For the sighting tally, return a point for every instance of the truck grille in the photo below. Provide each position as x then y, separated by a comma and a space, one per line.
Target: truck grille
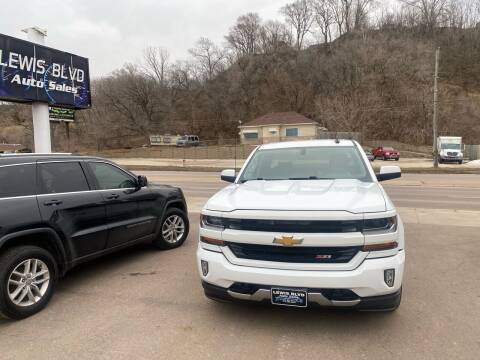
451, 154
297, 226
302, 254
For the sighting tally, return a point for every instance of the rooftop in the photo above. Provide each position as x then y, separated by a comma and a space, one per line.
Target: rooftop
280, 118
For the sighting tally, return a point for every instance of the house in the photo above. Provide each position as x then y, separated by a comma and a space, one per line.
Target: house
280, 126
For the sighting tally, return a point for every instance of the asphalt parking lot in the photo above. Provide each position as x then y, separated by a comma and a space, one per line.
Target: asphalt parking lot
148, 304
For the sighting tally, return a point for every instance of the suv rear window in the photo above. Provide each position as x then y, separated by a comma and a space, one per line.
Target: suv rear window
18, 180
62, 177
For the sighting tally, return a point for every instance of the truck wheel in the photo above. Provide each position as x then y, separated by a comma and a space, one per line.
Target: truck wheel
173, 230
28, 276
460, 162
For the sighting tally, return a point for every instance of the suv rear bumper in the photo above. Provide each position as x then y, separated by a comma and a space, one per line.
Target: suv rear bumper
366, 281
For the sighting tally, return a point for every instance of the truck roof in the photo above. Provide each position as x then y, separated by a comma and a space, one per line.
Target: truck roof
308, 143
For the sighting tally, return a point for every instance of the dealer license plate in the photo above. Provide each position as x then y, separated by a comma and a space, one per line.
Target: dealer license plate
289, 297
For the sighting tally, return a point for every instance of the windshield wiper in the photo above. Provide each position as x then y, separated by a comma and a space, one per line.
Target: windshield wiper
245, 180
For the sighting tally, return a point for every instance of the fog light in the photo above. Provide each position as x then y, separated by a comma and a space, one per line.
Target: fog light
204, 267
389, 277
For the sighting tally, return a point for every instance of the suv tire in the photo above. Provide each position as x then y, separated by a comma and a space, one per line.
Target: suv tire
174, 229
32, 272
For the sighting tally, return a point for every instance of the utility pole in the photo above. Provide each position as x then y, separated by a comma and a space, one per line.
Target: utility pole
435, 109
236, 134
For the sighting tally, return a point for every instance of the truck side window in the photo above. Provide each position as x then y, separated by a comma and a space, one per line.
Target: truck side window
18, 180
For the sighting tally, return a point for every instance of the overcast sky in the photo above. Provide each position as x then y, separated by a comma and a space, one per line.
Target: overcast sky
113, 32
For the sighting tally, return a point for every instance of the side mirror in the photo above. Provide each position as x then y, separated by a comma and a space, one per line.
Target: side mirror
228, 175
389, 173
142, 181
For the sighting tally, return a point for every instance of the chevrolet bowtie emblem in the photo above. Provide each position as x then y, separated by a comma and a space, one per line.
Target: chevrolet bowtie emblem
287, 241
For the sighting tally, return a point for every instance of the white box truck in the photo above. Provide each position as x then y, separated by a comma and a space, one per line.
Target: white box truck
450, 149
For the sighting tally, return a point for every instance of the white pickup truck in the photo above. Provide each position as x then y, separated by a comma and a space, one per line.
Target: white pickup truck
304, 224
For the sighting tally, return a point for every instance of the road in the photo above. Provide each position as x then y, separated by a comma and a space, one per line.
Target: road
148, 304
461, 192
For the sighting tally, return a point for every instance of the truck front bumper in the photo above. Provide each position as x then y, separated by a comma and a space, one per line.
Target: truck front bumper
363, 287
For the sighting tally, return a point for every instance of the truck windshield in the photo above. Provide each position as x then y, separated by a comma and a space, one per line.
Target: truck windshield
306, 163
451, 146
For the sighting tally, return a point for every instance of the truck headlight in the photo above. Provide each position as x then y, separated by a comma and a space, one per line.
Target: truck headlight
215, 222
380, 225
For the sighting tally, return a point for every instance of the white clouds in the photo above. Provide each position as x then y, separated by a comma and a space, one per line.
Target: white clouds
113, 32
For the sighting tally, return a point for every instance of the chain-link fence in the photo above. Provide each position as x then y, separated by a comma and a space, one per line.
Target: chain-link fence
472, 152
233, 149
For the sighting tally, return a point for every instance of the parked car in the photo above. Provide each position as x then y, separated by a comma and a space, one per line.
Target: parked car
304, 224
57, 211
370, 156
386, 153
188, 140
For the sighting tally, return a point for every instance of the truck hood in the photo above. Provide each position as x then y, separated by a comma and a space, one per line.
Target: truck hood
296, 195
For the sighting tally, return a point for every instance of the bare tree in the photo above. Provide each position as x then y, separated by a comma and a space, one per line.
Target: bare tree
274, 35
210, 58
463, 13
244, 36
133, 96
300, 16
432, 12
350, 15
156, 63
324, 18
361, 12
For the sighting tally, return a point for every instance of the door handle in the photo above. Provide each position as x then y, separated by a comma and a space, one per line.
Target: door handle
52, 202
113, 197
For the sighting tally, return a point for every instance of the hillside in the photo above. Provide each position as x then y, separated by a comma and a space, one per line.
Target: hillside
378, 82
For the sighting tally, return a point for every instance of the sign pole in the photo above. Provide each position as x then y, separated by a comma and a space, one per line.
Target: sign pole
40, 115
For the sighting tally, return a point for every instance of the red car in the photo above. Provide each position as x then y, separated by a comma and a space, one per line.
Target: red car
386, 153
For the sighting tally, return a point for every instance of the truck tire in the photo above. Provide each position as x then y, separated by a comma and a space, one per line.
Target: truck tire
28, 276
173, 229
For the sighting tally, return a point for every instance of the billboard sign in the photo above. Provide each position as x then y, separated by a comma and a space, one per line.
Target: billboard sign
61, 114
31, 72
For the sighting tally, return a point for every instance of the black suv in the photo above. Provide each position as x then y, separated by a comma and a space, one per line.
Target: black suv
57, 211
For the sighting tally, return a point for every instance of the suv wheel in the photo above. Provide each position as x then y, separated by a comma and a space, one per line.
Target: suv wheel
28, 276
173, 230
